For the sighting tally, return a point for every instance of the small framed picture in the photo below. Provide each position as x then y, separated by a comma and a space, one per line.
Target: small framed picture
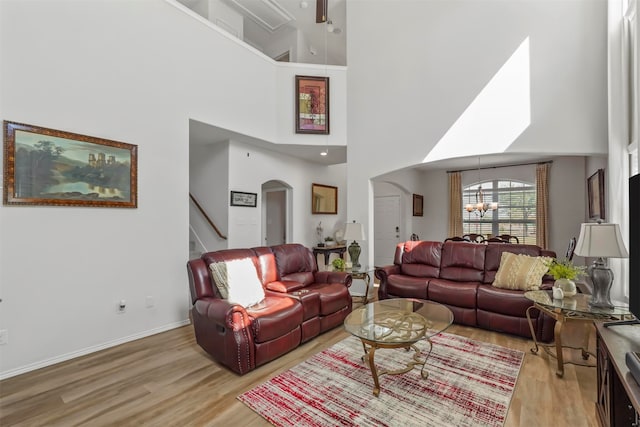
239, 198
418, 205
312, 105
595, 194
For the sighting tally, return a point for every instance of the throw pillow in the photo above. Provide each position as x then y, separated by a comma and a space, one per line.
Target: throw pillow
522, 272
237, 281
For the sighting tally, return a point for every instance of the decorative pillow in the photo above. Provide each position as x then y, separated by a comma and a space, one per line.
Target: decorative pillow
519, 271
237, 281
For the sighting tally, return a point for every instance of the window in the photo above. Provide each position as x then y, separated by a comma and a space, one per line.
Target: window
516, 213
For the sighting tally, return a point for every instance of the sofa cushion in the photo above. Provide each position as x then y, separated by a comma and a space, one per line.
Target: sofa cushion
275, 317
421, 259
462, 262
403, 286
237, 281
459, 294
294, 262
523, 272
504, 301
333, 297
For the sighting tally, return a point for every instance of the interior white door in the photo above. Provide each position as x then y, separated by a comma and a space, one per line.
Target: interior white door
276, 218
386, 228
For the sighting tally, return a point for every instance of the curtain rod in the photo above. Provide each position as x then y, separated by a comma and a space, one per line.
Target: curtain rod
501, 166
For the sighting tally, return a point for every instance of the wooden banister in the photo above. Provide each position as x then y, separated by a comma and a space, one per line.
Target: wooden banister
195, 202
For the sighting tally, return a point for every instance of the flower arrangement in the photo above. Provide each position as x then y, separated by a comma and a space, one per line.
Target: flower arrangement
565, 270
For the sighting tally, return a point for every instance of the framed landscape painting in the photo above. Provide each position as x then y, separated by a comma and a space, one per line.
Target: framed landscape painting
312, 105
52, 167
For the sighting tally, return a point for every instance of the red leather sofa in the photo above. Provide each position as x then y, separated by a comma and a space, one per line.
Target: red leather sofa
459, 275
300, 303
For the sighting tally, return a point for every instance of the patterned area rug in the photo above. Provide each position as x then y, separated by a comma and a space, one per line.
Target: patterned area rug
469, 383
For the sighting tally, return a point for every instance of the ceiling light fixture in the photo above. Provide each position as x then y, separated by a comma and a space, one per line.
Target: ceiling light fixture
480, 207
304, 4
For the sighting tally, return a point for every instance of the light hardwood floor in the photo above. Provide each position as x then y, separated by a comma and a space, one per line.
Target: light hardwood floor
167, 380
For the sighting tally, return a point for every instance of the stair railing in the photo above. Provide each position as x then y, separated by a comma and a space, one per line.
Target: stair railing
195, 202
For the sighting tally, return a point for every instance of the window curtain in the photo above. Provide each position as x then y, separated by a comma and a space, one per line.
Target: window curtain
455, 204
542, 204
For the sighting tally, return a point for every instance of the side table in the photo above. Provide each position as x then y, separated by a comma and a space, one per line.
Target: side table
362, 273
326, 252
574, 309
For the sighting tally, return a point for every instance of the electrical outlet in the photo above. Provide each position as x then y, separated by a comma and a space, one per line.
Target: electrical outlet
4, 336
149, 301
121, 306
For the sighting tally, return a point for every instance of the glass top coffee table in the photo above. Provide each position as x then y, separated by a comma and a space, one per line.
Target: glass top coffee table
397, 323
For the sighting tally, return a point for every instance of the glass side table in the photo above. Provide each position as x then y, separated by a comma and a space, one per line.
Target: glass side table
575, 309
362, 273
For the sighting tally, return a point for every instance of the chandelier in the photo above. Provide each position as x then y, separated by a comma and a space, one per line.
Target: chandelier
480, 207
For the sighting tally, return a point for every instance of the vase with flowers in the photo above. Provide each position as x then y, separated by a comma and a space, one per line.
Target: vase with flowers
564, 272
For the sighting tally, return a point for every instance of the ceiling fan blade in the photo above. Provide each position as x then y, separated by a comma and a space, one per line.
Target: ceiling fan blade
321, 10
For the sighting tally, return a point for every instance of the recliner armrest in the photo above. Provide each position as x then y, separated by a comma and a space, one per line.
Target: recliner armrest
222, 312
383, 272
333, 277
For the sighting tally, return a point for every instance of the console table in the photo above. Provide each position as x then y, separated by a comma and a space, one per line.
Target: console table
326, 252
618, 399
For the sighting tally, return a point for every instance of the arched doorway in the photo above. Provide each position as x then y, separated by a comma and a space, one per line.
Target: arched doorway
276, 208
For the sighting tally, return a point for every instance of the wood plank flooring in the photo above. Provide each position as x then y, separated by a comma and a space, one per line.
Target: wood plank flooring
167, 380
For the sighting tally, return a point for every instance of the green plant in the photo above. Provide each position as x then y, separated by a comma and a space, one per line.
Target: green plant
565, 270
328, 239
338, 264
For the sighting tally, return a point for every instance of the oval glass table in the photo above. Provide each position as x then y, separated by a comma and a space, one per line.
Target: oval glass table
397, 323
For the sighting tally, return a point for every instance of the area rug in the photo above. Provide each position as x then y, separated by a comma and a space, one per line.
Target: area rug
469, 383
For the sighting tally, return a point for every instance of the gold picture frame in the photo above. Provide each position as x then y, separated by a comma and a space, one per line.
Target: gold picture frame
56, 168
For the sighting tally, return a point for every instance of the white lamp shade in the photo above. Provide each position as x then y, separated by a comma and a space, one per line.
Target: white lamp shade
353, 231
600, 240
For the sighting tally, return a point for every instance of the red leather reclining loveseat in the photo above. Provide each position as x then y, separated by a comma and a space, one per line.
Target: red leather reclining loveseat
300, 303
459, 275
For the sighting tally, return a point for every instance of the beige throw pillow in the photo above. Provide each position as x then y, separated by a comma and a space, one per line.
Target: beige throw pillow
523, 272
237, 281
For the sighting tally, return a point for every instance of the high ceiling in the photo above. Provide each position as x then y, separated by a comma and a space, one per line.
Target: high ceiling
266, 21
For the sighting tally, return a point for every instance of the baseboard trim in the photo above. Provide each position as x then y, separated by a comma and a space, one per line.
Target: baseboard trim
92, 349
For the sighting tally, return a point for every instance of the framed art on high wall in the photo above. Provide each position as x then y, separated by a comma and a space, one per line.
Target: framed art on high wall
418, 205
51, 167
595, 193
312, 105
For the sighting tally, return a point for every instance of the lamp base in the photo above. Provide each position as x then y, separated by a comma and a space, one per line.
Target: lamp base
354, 254
602, 279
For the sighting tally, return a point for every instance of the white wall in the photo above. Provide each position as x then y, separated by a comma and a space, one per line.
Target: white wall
209, 184
64, 269
441, 55
264, 166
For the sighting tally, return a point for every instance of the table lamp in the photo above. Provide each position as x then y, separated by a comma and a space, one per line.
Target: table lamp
354, 231
601, 241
